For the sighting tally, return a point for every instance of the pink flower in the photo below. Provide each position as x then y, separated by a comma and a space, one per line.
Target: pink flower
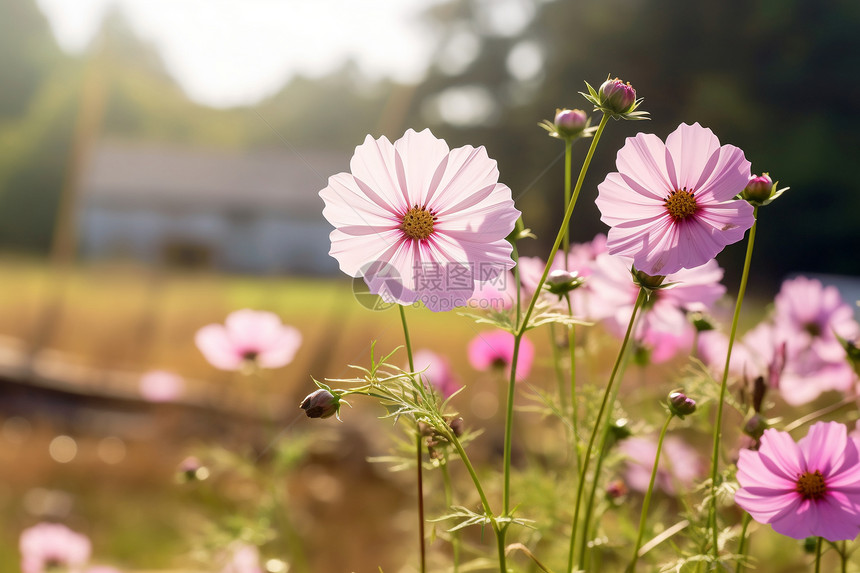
498, 294
804, 489
809, 314
48, 545
420, 222
436, 371
161, 386
249, 337
496, 348
671, 207
663, 328
580, 260
679, 464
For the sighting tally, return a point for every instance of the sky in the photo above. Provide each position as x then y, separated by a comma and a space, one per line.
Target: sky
235, 52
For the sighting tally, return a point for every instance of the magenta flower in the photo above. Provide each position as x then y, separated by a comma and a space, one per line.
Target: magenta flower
161, 386
805, 489
249, 337
670, 206
436, 371
496, 349
420, 222
48, 545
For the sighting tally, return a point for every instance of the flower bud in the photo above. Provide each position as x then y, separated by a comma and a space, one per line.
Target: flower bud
647, 281
620, 429
320, 404
680, 405
755, 426
570, 122
616, 489
701, 322
617, 96
759, 188
456, 425
190, 469
561, 282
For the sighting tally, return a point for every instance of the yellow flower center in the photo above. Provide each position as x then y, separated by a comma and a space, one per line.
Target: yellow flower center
418, 223
681, 204
810, 485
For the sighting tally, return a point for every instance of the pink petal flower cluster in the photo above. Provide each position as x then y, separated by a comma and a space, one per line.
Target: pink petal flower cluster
48, 545
496, 349
796, 350
680, 465
436, 371
671, 206
248, 337
663, 329
161, 386
420, 221
806, 489
580, 259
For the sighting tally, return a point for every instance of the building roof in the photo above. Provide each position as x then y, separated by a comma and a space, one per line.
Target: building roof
167, 177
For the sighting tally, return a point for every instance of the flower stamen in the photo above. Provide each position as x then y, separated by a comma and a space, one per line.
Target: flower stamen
810, 485
418, 223
681, 204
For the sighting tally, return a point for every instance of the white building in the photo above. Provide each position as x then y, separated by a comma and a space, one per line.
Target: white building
250, 212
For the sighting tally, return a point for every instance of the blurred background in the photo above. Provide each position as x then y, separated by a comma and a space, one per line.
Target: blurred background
159, 167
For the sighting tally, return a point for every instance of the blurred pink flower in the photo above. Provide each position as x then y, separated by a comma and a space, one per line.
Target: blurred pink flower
671, 206
243, 558
807, 313
580, 260
806, 489
436, 371
248, 337
420, 222
161, 386
103, 569
800, 377
680, 465
48, 545
496, 348
663, 327
498, 294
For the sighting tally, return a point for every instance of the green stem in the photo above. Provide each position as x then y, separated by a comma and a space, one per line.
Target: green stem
640, 299
818, 556
647, 501
418, 452
568, 147
449, 501
844, 556
712, 518
565, 222
742, 546
500, 537
571, 348
524, 324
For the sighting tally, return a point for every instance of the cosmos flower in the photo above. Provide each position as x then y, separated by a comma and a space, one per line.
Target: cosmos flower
496, 349
436, 371
670, 206
419, 221
804, 489
161, 386
663, 329
811, 315
248, 337
49, 545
